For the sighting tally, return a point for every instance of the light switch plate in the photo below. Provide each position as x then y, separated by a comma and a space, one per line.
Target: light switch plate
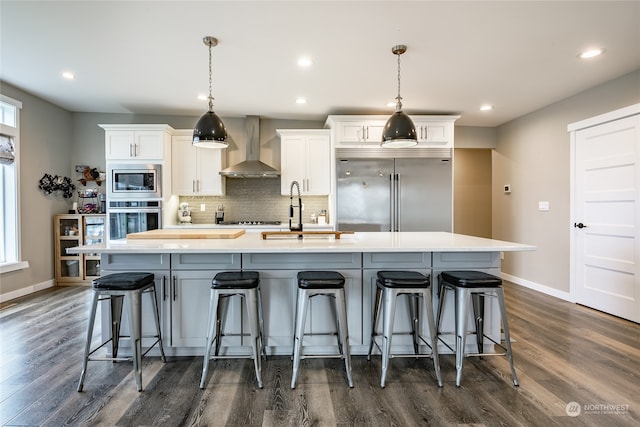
543, 206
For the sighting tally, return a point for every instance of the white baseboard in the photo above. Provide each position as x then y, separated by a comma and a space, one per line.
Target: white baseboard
566, 296
26, 291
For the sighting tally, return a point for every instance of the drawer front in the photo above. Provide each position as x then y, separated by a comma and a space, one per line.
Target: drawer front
205, 261
466, 260
134, 262
397, 260
301, 261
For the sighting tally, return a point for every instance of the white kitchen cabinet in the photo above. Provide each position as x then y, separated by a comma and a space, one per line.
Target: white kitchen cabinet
436, 133
195, 171
137, 142
353, 131
306, 158
369, 131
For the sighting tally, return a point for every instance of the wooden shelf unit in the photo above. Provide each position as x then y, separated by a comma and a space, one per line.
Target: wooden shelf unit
74, 230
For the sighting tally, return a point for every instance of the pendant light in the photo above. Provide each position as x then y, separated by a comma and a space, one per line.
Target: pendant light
210, 131
399, 131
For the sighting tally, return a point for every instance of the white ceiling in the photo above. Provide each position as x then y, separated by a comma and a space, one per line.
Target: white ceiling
149, 58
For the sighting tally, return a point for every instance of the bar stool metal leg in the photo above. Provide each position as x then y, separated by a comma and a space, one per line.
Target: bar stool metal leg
341, 308
462, 297
135, 314
212, 335
507, 336
477, 300
389, 297
251, 300
374, 322
428, 303
87, 346
157, 321
116, 302
301, 319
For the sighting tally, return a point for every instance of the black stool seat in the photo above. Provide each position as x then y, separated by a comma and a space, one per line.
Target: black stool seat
236, 280
471, 279
123, 281
403, 279
320, 280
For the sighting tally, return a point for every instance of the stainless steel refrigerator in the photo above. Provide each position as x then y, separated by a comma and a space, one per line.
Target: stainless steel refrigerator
396, 194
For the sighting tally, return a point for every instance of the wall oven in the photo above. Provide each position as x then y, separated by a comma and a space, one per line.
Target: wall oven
134, 181
133, 216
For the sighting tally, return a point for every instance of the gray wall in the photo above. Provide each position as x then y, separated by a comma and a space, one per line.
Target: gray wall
532, 154
45, 145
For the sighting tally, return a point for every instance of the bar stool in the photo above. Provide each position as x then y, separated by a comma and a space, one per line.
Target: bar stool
390, 285
474, 285
225, 285
312, 284
116, 288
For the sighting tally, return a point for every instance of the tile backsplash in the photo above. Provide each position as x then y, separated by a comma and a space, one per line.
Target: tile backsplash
252, 199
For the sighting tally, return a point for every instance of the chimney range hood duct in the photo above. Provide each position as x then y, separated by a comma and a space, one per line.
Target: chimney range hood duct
252, 167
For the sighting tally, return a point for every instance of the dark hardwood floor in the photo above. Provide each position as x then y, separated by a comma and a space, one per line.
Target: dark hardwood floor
564, 353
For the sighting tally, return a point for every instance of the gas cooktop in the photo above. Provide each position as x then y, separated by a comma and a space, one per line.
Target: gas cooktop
249, 222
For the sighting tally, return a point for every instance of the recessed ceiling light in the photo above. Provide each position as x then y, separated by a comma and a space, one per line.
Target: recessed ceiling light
68, 75
202, 97
391, 104
304, 61
591, 53
301, 100
486, 107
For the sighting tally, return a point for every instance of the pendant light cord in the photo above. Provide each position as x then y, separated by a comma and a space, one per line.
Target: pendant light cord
210, 80
398, 98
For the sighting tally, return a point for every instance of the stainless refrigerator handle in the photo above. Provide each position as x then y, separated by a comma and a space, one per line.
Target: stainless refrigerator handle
397, 203
391, 202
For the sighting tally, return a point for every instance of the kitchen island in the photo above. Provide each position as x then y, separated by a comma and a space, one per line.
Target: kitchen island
184, 268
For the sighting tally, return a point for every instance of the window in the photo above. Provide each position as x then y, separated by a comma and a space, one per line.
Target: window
9, 169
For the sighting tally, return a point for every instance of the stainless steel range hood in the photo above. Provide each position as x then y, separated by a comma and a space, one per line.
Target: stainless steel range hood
252, 167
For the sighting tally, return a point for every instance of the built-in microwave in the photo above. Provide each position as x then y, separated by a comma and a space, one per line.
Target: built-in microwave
134, 181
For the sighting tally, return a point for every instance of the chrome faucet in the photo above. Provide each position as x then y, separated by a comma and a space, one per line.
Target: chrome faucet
299, 206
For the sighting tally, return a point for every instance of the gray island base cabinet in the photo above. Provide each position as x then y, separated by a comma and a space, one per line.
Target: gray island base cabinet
184, 270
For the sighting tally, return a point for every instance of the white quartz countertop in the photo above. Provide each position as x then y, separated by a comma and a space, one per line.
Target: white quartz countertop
357, 242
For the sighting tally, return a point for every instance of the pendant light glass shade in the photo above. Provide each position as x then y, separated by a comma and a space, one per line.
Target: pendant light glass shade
399, 131
210, 131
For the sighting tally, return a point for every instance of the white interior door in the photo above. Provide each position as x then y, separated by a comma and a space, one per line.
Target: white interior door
606, 249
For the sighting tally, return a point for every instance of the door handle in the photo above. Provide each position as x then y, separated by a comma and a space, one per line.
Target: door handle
579, 225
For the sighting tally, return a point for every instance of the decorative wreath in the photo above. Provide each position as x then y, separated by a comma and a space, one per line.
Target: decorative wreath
49, 184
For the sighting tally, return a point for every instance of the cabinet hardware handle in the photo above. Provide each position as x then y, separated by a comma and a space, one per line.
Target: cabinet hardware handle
198, 181
164, 290
174, 288
130, 150
193, 185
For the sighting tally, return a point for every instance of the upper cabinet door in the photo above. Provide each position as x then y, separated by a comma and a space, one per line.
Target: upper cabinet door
318, 168
195, 171
360, 131
435, 133
306, 158
137, 142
